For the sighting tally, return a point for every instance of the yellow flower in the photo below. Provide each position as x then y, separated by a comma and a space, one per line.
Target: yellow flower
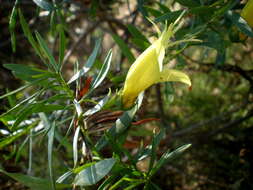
148, 68
247, 13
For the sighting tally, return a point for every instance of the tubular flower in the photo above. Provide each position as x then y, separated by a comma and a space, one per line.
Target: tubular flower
148, 68
247, 13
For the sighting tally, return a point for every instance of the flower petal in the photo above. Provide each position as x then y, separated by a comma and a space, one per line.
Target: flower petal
142, 74
171, 75
247, 12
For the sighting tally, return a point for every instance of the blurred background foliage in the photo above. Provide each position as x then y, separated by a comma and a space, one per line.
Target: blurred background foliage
214, 115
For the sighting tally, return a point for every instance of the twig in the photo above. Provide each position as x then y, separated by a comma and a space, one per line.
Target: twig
218, 118
232, 123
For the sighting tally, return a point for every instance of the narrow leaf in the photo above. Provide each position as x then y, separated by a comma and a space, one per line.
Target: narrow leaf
240, 23
168, 156
7, 140
50, 152
75, 148
169, 17
98, 107
121, 125
78, 107
12, 25
34, 183
88, 64
104, 70
28, 34
94, 173
44, 4
22, 88
62, 45
136, 33
189, 3
124, 48
47, 52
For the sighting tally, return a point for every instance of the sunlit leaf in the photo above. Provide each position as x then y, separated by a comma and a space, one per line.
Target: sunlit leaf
94, 173
104, 70
88, 64
50, 154
44, 4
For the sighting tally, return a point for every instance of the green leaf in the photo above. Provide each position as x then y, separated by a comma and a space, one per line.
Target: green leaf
78, 107
38, 81
121, 125
155, 142
136, 33
206, 11
163, 7
98, 107
107, 182
75, 148
53, 20
104, 70
155, 187
153, 12
134, 184
20, 148
62, 45
7, 140
34, 183
240, 23
36, 108
88, 64
64, 176
169, 17
80, 168
188, 3
44, 4
93, 8
12, 25
124, 48
25, 72
168, 156
28, 34
94, 173
47, 52
50, 152
140, 43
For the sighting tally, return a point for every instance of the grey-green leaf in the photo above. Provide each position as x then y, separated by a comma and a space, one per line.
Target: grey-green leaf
94, 173
104, 70
240, 23
50, 154
88, 64
121, 124
168, 156
98, 107
44, 4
